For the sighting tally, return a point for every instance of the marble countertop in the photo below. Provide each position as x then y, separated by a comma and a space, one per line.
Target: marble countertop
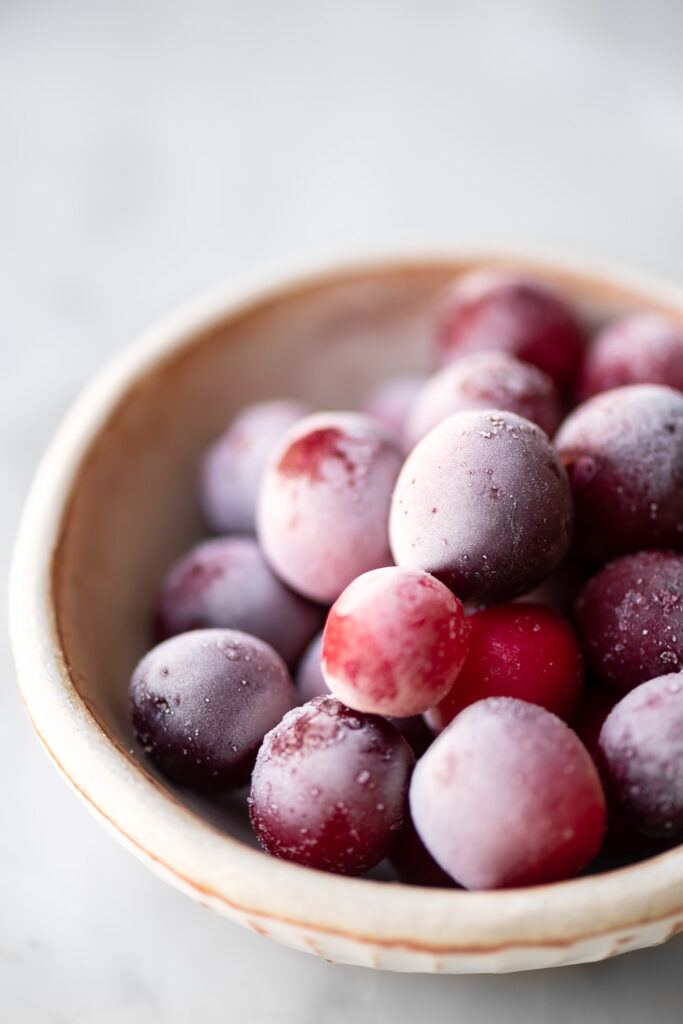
150, 150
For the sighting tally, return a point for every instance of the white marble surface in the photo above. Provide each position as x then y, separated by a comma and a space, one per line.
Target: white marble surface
148, 149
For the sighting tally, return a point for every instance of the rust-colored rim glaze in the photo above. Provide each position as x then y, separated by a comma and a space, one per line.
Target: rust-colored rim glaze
187, 848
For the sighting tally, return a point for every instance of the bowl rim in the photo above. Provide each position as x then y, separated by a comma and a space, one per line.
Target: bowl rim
177, 843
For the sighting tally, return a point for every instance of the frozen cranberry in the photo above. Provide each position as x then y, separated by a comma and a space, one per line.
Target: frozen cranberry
516, 650
232, 467
501, 309
482, 503
485, 380
226, 582
202, 702
623, 451
636, 349
390, 402
630, 619
310, 681
508, 795
394, 642
322, 515
329, 787
641, 756
413, 861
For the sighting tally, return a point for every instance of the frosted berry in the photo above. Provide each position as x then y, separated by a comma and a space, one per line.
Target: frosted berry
630, 619
641, 756
202, 702
485, 380
324, 501
231, 469
226, 582
512, 312
623, 451
508, 795
394, 642
329, 787
483, 503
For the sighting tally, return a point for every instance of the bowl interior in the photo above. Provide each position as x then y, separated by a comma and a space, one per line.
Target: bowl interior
133, 505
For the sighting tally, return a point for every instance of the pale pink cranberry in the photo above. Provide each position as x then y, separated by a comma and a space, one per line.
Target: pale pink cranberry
324, 502
508, 796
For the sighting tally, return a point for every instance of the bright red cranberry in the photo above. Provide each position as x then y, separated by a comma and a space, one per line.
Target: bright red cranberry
329, 787
482, 503
394, 642
324, 502
516, 650
505, 310
630, 619
507, 796
623, 451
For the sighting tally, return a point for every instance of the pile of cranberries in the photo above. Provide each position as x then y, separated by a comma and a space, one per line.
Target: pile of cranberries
478, 584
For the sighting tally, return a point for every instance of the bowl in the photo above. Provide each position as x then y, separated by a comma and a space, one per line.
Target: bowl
113, 503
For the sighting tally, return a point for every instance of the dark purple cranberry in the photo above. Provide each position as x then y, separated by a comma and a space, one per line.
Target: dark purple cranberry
202, 702
623, 451
630, 619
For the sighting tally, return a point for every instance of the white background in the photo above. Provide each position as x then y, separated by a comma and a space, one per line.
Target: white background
149, 149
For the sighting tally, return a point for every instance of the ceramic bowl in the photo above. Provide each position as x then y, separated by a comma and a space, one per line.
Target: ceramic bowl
113, 503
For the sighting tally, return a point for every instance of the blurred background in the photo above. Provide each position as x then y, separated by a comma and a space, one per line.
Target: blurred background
150, 149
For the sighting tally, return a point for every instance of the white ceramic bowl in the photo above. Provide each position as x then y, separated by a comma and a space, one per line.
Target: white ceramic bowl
113, 503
